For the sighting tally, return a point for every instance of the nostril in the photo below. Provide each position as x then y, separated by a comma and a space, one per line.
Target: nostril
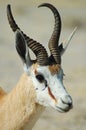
67, 100
70, 102
70, 105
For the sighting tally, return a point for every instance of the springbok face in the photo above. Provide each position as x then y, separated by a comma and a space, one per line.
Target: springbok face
48, 82
45, 71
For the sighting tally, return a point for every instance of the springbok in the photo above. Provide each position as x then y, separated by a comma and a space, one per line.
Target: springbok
41, 85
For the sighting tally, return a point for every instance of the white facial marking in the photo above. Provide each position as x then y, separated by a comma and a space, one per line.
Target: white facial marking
48, 83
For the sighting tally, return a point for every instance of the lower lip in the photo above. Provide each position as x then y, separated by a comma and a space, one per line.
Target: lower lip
62, 110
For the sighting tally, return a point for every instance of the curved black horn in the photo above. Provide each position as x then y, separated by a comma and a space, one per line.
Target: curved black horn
54, 41
37, 48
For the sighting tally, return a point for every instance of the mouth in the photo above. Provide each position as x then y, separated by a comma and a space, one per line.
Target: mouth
61, 110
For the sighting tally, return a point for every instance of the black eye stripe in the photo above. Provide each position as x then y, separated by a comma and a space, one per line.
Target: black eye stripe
45, 83
40, 78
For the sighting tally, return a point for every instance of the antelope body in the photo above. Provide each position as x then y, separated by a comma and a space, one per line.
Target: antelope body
41, 85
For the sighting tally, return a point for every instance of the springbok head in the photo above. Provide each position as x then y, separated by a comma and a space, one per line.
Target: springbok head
45, 71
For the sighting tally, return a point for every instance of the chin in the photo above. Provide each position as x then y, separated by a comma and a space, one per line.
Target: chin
62, 110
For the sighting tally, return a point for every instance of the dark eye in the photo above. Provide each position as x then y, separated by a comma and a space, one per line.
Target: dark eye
40, 78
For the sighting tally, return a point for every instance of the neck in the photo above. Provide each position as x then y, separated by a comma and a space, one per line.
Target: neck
20, 109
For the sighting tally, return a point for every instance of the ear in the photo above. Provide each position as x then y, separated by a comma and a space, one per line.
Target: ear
63, 49
22, 48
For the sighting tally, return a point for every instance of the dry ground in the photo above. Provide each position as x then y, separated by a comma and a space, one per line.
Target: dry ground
38, 23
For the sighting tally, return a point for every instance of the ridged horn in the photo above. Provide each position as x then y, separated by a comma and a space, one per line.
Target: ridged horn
54, 40
36, 47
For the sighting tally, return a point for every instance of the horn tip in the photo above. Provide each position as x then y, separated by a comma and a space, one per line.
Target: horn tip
75, 29
44, 4
8, 6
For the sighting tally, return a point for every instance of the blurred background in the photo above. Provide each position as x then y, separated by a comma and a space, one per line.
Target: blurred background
38, 24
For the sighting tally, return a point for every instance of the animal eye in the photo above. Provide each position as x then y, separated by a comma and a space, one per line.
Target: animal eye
40, 78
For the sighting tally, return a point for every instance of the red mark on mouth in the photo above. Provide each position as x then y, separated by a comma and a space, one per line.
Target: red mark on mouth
50, 93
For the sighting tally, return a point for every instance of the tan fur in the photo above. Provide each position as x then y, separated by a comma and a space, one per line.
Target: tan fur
54, 69
35, 66
2, 93
18, 109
